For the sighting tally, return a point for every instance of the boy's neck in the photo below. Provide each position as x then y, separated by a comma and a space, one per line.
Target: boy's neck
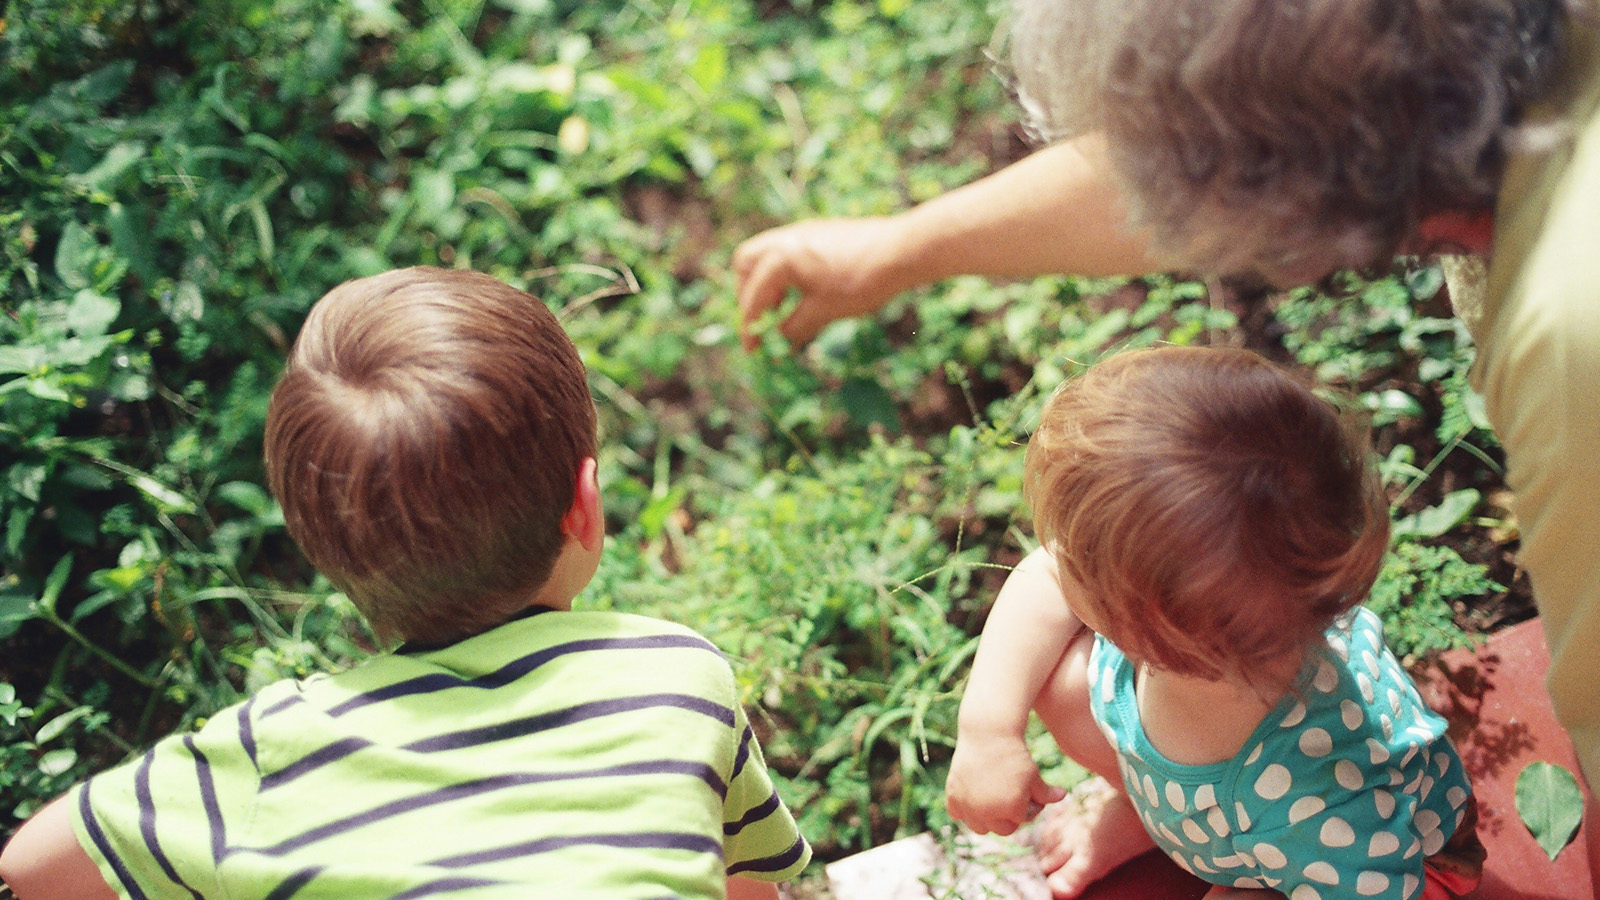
572, 572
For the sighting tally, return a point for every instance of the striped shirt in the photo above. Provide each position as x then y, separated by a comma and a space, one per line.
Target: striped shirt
562, 755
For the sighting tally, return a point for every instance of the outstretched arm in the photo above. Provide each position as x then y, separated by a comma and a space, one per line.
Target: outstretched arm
994, 782
1056, 211
43, 860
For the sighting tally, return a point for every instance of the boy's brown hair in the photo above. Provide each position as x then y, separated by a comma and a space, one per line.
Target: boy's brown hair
424, 442
1216, 511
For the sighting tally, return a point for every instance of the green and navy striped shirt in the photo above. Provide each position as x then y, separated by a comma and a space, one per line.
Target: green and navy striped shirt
562, 755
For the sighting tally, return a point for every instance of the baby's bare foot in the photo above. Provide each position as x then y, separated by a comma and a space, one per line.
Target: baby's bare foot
1082, 838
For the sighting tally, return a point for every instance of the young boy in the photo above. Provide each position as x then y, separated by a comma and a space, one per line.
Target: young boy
1191, 630
432, 445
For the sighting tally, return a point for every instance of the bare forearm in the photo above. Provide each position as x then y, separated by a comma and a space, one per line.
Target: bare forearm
1028, 630
1056, 211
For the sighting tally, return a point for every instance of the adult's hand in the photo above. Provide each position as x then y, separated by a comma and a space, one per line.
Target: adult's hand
1057, 211
841, 268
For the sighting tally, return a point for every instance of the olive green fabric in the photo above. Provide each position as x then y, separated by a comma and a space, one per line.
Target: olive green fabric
564, 755
1538, 337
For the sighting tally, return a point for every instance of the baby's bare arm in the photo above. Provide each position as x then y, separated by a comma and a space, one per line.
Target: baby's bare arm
1028, 630
43, 860
994, 784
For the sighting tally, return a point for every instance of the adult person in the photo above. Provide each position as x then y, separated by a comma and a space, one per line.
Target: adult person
1286, 139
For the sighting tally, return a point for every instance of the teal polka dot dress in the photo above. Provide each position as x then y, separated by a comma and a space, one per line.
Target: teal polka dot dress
1341, 791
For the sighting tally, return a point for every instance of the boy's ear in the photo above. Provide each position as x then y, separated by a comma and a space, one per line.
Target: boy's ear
585, 520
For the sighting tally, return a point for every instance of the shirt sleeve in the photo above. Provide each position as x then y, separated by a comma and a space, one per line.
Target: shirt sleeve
158, 826
760, 838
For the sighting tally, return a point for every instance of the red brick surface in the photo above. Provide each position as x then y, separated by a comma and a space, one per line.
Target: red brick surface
1501, 720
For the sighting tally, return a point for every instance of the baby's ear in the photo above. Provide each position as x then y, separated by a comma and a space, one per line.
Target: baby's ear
585, 520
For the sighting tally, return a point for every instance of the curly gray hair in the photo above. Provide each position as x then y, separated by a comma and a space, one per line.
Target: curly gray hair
1288, 138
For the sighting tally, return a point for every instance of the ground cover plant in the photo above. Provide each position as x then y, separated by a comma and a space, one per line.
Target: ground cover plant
179, 188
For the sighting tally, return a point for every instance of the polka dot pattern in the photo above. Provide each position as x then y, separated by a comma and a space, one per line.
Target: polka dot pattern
1316, 743
1270, 856
1339, 793
1274, 782
1349, 775
1351, 715
1305, 808
1322, 872
1175, 796
1383, 802
1371, 884
1336, 833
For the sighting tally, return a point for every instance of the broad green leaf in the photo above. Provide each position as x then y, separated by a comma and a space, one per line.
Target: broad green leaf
17, 526
1550, 804
132, 240
435, 191
1391, 404
116, 161
184, 302
164, 497
573, 135
20, 359
14, 610
1424, 282
653, 518
710, 67
129, 387
247, 495
47, 390
375, 17
75, 256
57, 762
90, 315
867, 402
57, 726
80, 351
27, 481
1436, 520
104, 85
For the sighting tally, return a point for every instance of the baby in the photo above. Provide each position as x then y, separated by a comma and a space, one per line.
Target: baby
1191, 629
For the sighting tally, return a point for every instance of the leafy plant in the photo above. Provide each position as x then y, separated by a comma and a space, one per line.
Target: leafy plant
1413, 596
38, 756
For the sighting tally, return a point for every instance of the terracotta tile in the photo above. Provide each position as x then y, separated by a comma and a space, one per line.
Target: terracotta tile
1501, 720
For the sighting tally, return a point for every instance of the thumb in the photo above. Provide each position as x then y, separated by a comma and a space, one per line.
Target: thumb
1044, 793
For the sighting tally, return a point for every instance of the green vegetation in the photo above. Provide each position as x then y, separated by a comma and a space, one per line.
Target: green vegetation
179, 188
